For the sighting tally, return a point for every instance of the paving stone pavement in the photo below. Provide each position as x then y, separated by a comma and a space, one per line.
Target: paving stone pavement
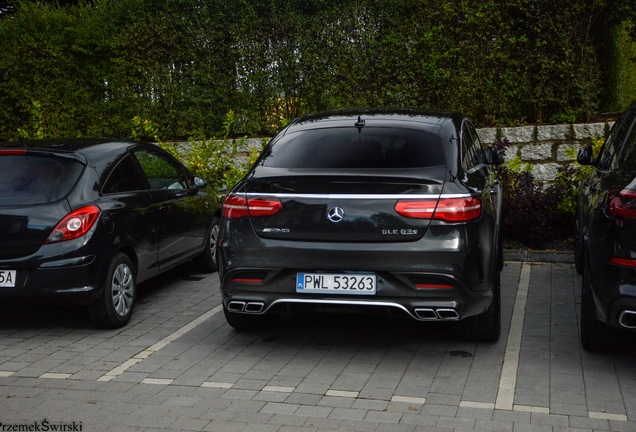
178, 366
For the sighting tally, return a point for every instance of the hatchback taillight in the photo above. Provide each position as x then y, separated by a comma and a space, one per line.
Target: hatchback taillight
621, 204
236, 206
74, 225
13, 152
446, 209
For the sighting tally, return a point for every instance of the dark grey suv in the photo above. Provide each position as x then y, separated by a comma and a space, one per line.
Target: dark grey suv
606, 241
396, 211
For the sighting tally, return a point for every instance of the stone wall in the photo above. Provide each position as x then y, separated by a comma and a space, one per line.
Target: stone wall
545, 147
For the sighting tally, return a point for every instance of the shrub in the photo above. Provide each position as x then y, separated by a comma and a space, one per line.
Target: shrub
220, 161
534, 215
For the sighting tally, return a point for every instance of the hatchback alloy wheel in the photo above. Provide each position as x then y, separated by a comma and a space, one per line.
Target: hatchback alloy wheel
122, 288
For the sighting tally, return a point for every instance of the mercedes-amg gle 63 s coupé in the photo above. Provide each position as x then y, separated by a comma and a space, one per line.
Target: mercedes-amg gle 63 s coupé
370, 210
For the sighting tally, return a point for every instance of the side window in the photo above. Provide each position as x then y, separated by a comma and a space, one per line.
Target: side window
125, 177
478, 149
469, 159
613, 147
160, 171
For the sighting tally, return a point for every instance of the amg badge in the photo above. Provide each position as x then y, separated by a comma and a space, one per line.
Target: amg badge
276, 230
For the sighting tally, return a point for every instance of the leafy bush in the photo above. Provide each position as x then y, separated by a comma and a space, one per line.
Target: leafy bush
86, 68
220, 161
535, 216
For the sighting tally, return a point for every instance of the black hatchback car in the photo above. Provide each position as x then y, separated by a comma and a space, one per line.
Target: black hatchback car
391, 211
84, 221
606, 237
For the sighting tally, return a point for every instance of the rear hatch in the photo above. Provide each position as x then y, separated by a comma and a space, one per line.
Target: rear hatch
337, 207
33, 186
346, 184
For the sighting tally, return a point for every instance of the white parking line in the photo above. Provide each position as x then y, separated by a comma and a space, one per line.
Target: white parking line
607, 416
113, 373
508, 381
341, 393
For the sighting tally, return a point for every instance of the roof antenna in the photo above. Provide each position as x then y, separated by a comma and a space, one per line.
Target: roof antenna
360, 124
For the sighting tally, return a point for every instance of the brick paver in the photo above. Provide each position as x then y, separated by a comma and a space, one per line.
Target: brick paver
314, 373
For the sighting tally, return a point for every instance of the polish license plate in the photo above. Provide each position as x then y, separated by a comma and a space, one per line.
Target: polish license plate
360, 284
7, 278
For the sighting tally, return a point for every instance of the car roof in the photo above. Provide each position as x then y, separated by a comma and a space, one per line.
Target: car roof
380, 116
94, 150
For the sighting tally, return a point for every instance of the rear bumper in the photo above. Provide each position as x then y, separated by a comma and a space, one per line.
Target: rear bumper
244, 292
68, 273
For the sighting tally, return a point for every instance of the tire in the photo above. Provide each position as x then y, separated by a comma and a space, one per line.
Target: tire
485, 327
208, 260
595, 335
114, 307
241, 321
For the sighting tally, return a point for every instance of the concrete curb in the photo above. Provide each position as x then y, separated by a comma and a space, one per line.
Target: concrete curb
566, 257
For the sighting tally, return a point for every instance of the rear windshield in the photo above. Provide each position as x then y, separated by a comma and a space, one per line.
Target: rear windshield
36, 179
348, 148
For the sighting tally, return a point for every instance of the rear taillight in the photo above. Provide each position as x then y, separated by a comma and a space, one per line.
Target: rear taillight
446, 209
621, 204
623, 262
13, 152
74, 225
236, 206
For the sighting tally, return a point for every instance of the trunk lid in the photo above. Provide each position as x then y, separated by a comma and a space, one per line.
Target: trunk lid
343, 207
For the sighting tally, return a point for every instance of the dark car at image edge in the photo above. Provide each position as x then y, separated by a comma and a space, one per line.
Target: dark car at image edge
378, 211
605, 251
83, 221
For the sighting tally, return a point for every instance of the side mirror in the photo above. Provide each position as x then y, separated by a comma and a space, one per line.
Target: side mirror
585, 156
198, 182
495, 157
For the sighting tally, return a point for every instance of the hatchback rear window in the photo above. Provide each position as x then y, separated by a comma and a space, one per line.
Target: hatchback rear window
349, 148
28, 180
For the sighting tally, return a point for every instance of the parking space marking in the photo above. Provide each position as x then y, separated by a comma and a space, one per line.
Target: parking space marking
508, 380
340, 393
6, 374
607, 416
277, 389
410, 400
115, 372
221, 385
159, 381
50, 375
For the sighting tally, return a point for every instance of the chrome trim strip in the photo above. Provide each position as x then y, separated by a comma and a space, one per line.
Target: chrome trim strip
357, 196
342, 302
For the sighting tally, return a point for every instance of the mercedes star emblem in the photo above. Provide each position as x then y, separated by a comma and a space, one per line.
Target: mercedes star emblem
335, 214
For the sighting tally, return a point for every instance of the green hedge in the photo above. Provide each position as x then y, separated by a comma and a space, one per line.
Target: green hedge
89, 69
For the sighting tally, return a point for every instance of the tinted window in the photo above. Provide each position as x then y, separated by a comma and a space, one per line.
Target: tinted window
614, 144
124, 178
36, 179
478, 149
348, 148
161, 172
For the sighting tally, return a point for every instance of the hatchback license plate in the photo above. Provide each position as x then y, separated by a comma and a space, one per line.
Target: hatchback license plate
361, 284
7, 278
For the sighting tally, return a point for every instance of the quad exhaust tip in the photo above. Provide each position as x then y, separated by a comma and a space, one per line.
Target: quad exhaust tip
247, 307
627, 319
430, 314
